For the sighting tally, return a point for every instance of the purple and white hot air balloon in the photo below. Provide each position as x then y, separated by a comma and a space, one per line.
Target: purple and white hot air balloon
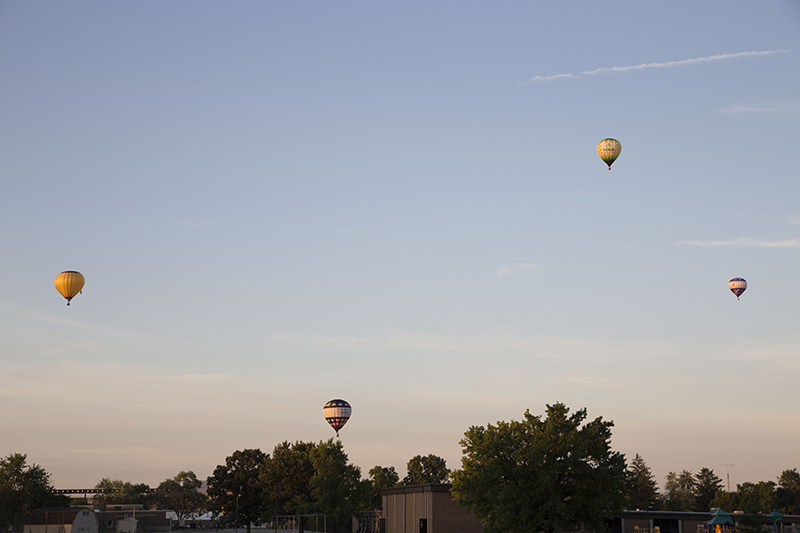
337, 413
737, 286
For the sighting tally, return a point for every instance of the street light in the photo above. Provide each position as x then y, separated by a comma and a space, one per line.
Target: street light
275, 520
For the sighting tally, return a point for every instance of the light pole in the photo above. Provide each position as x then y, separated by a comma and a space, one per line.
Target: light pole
275, 520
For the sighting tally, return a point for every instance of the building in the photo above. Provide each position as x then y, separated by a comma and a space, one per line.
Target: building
61, 520
425, 509
117, 519
432, 509
133, 518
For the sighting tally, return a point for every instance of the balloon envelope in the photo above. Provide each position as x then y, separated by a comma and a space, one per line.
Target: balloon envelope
69, 283
737, 286
337, 413
609, 150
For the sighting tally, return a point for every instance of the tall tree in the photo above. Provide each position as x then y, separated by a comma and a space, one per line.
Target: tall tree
236, 489
642, 491
707, 486
382, 478
286, 477
181, 494
338, 490
23, 488
788, 492
755, 498
541, 475
111, 491
750, 498
427, 469
679, 491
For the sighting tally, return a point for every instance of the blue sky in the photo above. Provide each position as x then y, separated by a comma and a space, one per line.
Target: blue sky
277, 204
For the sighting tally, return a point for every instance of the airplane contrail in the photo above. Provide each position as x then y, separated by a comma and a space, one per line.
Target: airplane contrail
667, 64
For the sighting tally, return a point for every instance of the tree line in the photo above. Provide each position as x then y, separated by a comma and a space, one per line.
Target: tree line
542, 474
250, 487
701, 491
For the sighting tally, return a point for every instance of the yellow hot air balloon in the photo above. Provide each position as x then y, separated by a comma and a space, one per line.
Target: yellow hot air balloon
69, 283
609, 150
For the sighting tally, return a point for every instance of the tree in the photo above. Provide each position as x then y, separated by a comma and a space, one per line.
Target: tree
111, 491
707, 486
642, 491
181, 494
788, 492
236, 489
23, 488
754, 498
286, 477
679, 491
382, 478
337, 488
428, 469
750, 498
539, 475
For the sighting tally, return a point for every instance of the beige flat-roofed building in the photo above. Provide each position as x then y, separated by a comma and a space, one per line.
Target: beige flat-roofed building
425, 509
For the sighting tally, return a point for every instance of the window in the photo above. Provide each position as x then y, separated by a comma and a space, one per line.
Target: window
613, 524
666, 525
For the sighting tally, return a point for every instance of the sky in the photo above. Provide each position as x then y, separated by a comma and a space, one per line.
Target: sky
276, 204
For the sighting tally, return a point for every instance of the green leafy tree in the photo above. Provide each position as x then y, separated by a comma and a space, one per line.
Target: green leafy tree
642, 491
707, 486
236, 489
337, 488
679, 491
382, 478
115, 491
23, 488
541, 475
286, 477
427, 469
755, 498
788, 492
181, 494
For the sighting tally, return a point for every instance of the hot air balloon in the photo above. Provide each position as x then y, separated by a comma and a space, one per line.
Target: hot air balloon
337, 413
737, 286
609, 150
69, 283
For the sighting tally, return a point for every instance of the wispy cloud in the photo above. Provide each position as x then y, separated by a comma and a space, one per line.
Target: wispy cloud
648, 66
538, 79
747, 242
515, 268
761, 109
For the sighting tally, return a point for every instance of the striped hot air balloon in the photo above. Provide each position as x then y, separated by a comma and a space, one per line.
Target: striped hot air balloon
69, 283
737, 286
609, 150
337, 413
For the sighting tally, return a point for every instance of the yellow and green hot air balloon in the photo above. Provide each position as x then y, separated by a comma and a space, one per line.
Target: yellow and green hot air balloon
609, 150
69, 283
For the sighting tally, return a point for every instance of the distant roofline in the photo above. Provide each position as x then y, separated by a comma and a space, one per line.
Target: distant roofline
652, 513
428, 487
